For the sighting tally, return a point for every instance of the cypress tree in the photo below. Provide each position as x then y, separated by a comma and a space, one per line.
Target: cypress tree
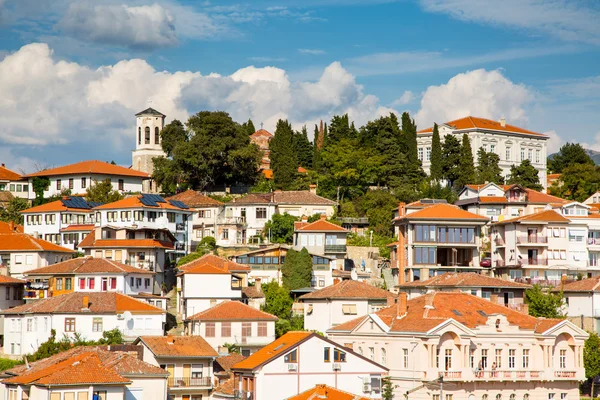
435, 169
409, 138
316, 158
249, 127
451, 159
467, 168
302, 148
297, 269
284, 161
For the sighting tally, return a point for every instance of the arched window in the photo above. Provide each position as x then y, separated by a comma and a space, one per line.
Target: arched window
513, 396
156, 135
526, 396
139, 135
147, 135
484, 397
499, 396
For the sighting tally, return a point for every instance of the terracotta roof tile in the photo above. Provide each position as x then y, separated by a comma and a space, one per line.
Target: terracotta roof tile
252, 292
135, 202
99, 302
301, 197
321, 225
78, 228
6, 227
23, 242
6, 196
90, 167
216, 261
90, 241
533, 196
252, 198
443, 211
492, 199
54, 206
464, 279
232, 311
88, 265
542, 216
272, 350
228, 361
178, 346
483, 123
584, 285
322, 391
8, 175
205, 268
349, 289
262, 132
191, 198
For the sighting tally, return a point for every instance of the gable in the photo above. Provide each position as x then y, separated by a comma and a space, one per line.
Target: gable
371, 324
450, 325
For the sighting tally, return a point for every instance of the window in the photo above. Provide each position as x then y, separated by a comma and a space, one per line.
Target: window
139, 135
262, 329
97, 324
448, 397
339, 355
68, 283
138, 215
405, 354
327, 354
156, 135
512, 396
225, 329
226, 234
530, 155
563, 396
525, 358
372, 353
59, 284
138, 282
425, 233
420, 154
562, 359
427, 153
147, 135
492, 148
69, 324
246, 329
435, 397
499, 396
210, 329
537, 156
498, 358
146, 282
291, 357
113, 283
472, 358
511, 358
83, 183
261, 213
81, 283
383, 356
508, 153
71, 183
29, 324
522, 154
424, 255
349, 309
58, 184
91, 282
448, 359
7, 292
121, 184
484, 355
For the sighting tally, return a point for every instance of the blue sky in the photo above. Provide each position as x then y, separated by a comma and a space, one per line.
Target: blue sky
73, 73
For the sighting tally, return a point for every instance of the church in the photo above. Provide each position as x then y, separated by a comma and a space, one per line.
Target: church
148, 145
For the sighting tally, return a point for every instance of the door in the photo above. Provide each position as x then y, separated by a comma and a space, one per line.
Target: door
171, 371
532, 257
505, 298
187, 372
532, 235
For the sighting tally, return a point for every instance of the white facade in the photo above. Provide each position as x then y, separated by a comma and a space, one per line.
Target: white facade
79, 183
232, 332
19, 262
238, 223
199, 292
322, 314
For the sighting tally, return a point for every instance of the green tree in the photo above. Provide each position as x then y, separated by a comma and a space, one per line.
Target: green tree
249, 127
388, 388
12, 212
51, 346
451, 150
208, 243
488, 168
340, 128
296, 271
568, 155
316, 157
113, 336
294, 323
7, 363
544, 303
102, 191
435, 170
171, 135
263, 185
284, 162
577, 182
39, 185
409, 134
591, 358
378, 206
303, 148
277, 300
280, 228
525, 175
200, 251
466, 165
233, 348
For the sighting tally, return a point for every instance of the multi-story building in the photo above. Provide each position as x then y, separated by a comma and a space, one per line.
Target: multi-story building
14, 183
233, 322
187, 359
481, 349
322, 238
298, 361
148, 145
582, 302
261, 138
204, 214
511, 143
27, 326
87, 274
80, 176
342, 302
63, 222
436, 239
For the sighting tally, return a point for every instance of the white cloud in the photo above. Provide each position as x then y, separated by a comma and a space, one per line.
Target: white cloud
554, 142
567, 20
592, 146
312, 52
480, 93
406, 98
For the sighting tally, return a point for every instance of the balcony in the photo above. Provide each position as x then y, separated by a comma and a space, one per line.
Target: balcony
508, 375
243, 395
231, 220
533, 261
532, 240
562, 374
335, 248
187, 382
451, 375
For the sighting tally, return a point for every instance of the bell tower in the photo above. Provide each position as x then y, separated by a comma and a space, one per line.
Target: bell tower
149, 123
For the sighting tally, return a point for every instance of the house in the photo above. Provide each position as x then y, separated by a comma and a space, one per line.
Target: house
204, 214
148, 145
581, 299
207, 281
481, 349
87, 314
21, 252
233, 322
80, 176
322, 238
436, 239
11, 292
510, 294
253, 295
86, 372
512, 143
87, 274
13, 183
65, 222
321, 391
224, 380
187, 359
341, 303
261, 138
358, 226
297, 361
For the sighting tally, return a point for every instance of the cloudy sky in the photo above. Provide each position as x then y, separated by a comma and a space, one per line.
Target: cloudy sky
74, 73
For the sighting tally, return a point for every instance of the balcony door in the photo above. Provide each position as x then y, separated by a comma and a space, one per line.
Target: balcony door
187, 373
532, 235
532, 256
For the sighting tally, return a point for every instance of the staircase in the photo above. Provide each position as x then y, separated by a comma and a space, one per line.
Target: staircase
174, 320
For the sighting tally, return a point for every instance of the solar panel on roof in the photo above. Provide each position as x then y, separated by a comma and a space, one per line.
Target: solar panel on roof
151, 200
95, 203
75, 202
178, 203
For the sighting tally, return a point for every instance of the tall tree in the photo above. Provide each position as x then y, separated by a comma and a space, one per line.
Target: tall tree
568, 155
544, 303
435, 170
102, 192
280, 228
451, 159
467, 167
172, 134
525, 175
577, 182
591, 359
249, 127
409, 135
316, 157
488, 168
284, 162
39, 184
303, 148
297, 270
12, 212
340, 128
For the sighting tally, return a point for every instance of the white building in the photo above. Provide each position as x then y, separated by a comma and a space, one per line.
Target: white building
298, 361
13, 183
481, 349
233, 322
204, 214
582, 302
80, 176
149, 123
342, 302
88, 314
322, 238
511, 143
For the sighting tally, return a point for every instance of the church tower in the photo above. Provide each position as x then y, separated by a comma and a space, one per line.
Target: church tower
148, 144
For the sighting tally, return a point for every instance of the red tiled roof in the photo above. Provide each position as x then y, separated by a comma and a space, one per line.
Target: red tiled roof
252, 292
206, 268
7, 280
22, 242
216, 261
191, 198
483, 123
542, 216
493, 199
443, 211
464, 279
53, 206
90, 167
178, 346
262, 132
78, 228
322, 391
533, 196
228, 361
276, 348
321, 225
88, 265
232, 311
349, 289
300, 197
99, 302
584, 285
135, 202
8, 175
6, 227
90, 241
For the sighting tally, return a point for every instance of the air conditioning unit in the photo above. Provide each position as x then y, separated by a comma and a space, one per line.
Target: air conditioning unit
497, 290
366, 387
120, 317
337, 366
292, 367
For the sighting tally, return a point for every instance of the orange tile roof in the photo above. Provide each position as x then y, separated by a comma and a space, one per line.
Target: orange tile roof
584, 285
323, 391
178, 346
90, 167
53, 206
542, 216
6, 227
90, 241
262, 132
22, 242
191, 198
349, 289
8, 175
88, 265
302, 170
99, 302
216, 261
464, 279
444, 211
275, 349
493, 199
252, 292
78, 228
228, 361
321, 225
483, 123
533, 196
7, 280
232, 310
135, 202
430, 310
206, 268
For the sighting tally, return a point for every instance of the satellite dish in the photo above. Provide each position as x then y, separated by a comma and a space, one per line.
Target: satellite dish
127, 315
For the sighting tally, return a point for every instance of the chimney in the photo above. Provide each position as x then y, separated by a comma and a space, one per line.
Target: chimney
494, 298
258, 285
391, 300
85, 303
401, 209
312, 189
401, 304
304, 218
503, 122
3, 165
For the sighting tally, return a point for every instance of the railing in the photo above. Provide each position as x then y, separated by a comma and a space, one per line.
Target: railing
335, 248
501, 375
536, 239
232, 220
189, 382
349, 220
565, 374
594, 241
451, 374
542, 281
533, 261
